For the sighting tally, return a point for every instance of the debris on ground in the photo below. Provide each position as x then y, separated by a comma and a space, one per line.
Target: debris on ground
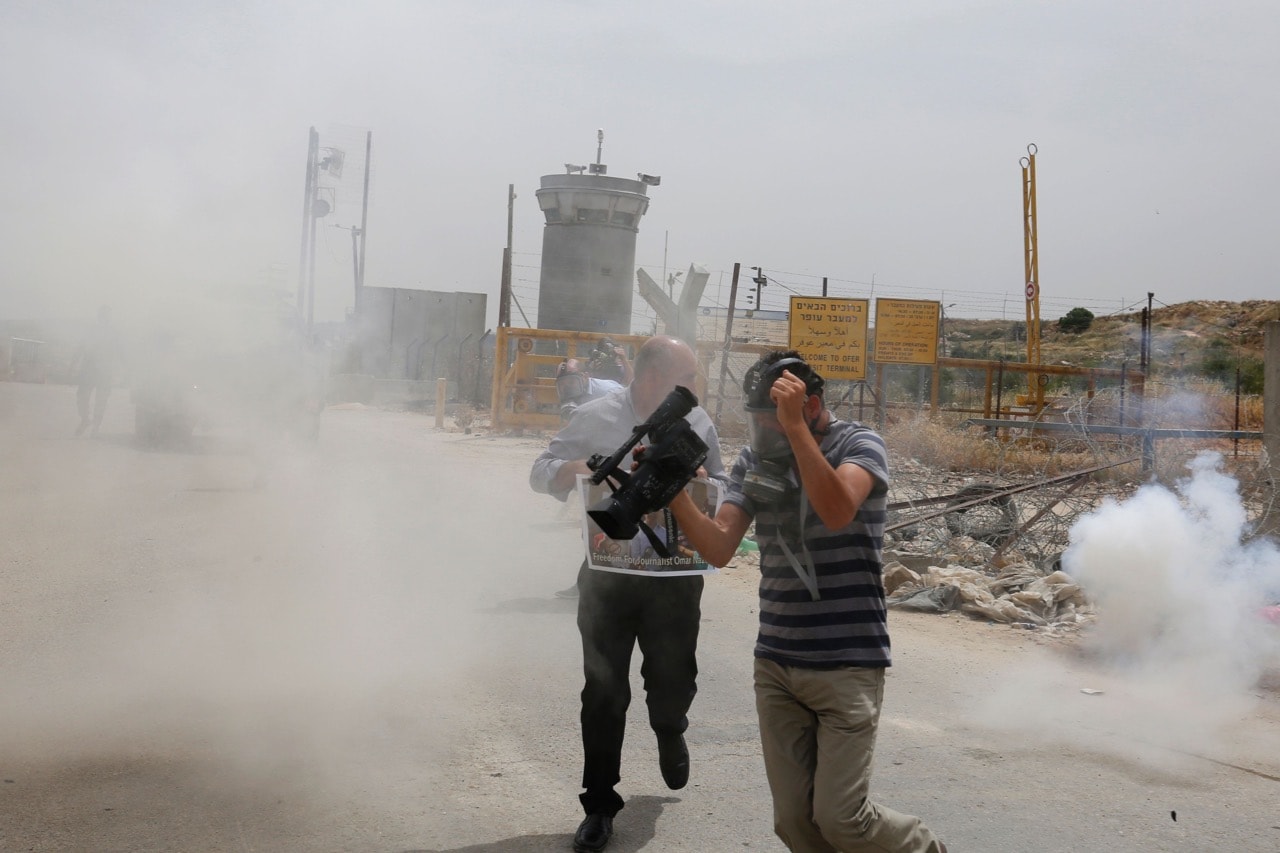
1018, 594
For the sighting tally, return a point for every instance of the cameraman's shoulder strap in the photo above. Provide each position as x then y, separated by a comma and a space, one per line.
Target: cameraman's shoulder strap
807, 573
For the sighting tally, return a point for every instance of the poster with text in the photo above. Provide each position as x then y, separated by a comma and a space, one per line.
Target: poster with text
637, 556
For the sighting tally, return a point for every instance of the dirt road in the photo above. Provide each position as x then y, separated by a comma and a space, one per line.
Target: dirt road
364, 654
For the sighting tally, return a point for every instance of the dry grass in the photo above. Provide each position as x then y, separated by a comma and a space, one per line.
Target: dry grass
1200, 404
972, 450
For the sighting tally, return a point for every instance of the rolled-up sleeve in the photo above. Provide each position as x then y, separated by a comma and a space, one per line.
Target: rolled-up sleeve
571, 442
544, 473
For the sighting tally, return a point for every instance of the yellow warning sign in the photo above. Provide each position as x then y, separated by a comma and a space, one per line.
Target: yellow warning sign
831, 334
907, 331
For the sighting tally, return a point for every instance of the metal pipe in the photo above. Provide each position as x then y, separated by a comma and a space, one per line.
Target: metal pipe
1124, 384
995, 495
999, 392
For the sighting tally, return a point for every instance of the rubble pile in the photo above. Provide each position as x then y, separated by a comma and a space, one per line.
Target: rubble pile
1017, 592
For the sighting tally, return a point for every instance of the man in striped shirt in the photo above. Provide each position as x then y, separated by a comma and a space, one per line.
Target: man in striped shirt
817, 489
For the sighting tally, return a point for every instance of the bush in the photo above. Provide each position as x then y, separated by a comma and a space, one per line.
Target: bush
1220, 363
1077, 320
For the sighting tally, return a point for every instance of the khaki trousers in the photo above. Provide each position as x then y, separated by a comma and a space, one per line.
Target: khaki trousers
818, 734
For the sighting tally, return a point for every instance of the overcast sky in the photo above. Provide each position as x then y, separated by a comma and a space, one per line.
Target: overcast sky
158, 149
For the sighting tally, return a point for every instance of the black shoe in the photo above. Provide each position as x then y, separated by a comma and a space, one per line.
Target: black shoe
593, 833
673, 758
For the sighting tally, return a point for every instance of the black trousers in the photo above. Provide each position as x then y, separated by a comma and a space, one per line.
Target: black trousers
616, 611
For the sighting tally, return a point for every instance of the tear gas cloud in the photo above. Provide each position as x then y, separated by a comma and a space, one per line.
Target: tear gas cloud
1180, 643
156, 604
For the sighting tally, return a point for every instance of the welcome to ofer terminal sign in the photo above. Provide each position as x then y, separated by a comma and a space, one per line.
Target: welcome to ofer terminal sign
831, 333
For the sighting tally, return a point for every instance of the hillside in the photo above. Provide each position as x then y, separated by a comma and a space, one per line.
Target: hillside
1201, 337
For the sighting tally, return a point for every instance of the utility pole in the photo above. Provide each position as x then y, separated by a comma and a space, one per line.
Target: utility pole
364, 220
728, 339
308, 199
356, 233
761, 281
311, 258
504, 298
1146, 333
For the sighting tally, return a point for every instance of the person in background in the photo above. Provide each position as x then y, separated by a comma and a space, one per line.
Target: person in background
605, 370
616, 611
816, 488
609, 361
575, 386
93, 366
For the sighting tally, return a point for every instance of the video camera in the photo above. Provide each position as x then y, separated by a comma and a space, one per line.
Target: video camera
602, 361
667, 463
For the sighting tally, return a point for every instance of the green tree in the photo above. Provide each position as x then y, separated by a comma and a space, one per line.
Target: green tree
1077, 320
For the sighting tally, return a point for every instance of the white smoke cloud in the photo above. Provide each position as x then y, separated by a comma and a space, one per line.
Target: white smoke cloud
1176, 586
1180, 642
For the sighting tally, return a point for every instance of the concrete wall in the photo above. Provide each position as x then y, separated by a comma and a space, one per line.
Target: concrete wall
420, 334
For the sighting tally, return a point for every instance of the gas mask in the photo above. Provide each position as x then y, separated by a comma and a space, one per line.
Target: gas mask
771, 480
571, 386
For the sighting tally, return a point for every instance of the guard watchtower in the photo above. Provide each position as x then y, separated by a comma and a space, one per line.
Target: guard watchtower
589, 247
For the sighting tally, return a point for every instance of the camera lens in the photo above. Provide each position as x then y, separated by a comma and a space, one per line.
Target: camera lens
615, 519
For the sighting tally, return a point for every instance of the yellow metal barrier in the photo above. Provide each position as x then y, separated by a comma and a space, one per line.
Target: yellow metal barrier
525, 361
524, 370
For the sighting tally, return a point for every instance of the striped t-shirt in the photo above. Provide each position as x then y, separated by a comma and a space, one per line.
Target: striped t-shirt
847, 625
